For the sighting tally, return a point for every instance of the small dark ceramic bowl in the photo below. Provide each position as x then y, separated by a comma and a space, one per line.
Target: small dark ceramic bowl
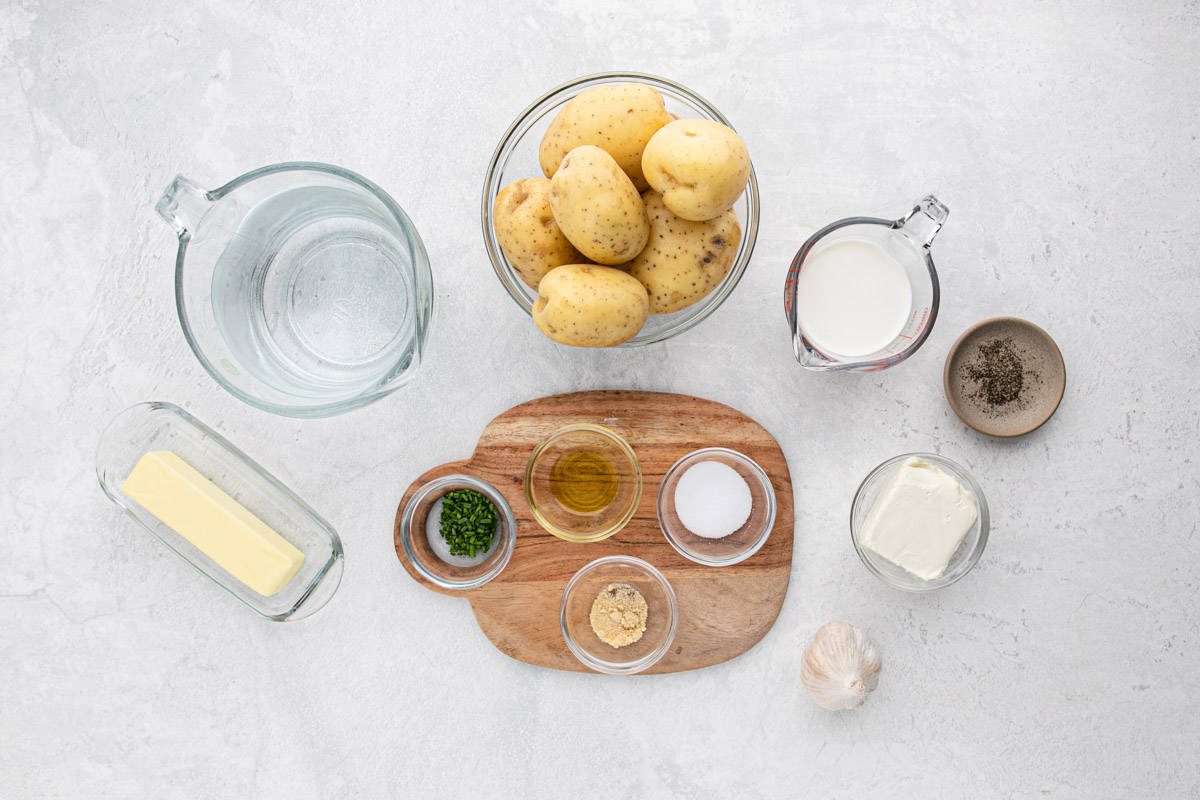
1045, 378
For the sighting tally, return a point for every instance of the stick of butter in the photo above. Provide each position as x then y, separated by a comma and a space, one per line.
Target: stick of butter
919, 518
195, 508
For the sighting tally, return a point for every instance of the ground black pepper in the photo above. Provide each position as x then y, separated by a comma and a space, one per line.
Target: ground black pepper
998, 371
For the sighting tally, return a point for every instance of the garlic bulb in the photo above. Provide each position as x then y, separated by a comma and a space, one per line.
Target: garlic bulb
840, 667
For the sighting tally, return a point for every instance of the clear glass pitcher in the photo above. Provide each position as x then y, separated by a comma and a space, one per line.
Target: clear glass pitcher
303, 288
900, 246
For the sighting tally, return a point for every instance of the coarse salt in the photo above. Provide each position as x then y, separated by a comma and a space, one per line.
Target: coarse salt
712, 500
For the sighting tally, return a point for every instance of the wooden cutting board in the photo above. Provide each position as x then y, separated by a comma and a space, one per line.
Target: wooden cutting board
723, 611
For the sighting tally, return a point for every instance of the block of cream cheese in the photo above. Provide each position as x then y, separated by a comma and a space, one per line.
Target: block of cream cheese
199, 511
919, 518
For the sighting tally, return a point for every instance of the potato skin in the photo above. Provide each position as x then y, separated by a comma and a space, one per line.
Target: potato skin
597, 208
684, 260
699, 166
527, 232
619, 119
585, 305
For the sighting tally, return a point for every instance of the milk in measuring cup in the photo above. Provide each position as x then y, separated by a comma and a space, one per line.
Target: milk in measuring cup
852, 297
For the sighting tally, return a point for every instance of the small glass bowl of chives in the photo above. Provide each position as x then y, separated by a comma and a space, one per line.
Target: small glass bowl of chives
458, 532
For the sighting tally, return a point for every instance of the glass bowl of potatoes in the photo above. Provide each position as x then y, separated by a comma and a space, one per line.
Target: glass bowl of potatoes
619, 209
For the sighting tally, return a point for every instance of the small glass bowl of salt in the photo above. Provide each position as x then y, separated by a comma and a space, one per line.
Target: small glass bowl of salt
716, 506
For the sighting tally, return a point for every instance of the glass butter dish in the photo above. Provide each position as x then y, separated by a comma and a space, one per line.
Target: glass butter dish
157, 426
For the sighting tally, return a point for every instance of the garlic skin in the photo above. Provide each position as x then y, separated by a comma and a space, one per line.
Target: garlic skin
840, 667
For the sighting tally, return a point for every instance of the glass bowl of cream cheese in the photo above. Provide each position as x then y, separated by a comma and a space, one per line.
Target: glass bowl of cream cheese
919, 522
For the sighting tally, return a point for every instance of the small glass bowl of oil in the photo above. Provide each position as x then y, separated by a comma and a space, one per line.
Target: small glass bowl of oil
583, 483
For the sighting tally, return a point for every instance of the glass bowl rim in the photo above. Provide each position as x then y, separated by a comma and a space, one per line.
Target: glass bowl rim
764, 480
309, 410
622, 445
972, 558
610, 667
531, 114
508, 524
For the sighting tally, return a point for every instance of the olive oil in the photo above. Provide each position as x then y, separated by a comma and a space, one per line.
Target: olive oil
584, 481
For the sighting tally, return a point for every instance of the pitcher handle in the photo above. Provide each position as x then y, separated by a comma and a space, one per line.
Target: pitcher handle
183, 205
922, 224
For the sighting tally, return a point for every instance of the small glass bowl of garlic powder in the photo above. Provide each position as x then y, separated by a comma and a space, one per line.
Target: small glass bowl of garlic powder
716, 506
626, 586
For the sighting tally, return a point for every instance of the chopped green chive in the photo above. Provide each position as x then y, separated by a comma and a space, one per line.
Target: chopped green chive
468, 522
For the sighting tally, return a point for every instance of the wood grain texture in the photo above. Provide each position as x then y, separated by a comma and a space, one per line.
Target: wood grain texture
722, 611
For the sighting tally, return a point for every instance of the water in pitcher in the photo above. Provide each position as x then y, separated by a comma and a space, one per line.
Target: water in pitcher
313, 294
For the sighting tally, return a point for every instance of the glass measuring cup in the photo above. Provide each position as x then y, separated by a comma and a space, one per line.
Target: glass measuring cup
302, 288
905, 241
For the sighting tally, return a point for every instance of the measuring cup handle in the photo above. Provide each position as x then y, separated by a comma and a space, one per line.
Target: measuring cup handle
183, 205
922, 224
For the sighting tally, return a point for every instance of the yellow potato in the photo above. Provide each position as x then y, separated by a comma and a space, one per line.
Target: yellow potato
597, 208
527, 232
699, 166
619, 118
684, 260
585, 305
